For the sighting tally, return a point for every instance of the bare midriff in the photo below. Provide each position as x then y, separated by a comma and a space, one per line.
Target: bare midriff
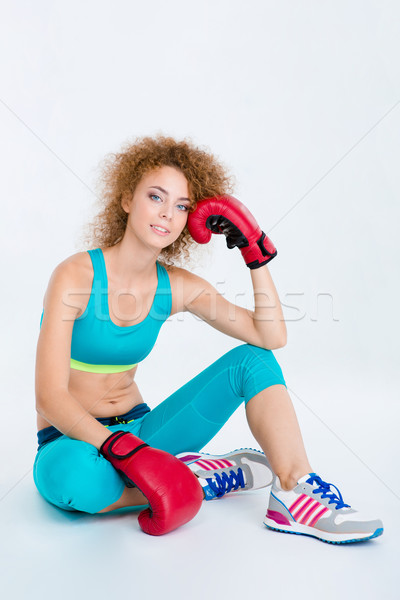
102, 394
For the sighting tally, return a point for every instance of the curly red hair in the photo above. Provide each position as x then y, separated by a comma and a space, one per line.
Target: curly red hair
122, 171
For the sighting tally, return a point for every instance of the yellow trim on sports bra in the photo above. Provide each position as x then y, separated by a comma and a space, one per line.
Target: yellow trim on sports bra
81, 366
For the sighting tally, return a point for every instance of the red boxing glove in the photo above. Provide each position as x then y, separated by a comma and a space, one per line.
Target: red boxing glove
227, 215
173, 492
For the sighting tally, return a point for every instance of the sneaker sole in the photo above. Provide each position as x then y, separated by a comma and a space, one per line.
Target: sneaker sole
324, 536
249, 451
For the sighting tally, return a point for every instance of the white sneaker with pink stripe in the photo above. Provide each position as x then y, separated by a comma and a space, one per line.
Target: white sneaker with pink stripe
313, 508
237, 471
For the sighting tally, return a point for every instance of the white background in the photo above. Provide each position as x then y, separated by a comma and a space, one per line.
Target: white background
301, 100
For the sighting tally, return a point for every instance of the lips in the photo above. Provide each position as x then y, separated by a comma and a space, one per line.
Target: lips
165, 230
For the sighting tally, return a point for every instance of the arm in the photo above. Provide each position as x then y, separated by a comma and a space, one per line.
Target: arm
264, 327
53, 400
268, 316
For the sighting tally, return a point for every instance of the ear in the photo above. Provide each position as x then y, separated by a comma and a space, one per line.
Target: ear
126, 201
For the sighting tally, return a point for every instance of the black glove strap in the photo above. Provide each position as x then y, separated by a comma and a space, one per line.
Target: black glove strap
117, 437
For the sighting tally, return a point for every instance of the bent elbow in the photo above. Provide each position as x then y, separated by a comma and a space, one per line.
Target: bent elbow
283, 341
278, 343
283, 337
276, 346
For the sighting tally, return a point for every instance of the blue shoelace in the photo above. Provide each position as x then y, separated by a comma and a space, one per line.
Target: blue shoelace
221, 485
324, 489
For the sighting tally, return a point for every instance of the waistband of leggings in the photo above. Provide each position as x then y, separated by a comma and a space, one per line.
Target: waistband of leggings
48, 434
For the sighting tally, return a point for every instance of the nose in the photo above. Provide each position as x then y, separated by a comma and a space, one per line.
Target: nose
166, 211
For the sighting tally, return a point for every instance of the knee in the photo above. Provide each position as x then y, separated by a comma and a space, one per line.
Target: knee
60, 460
254, 369
73, 475
244, 350
248, 354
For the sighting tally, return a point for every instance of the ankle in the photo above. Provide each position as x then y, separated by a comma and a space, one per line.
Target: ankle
289, 480
287, 483
130, 497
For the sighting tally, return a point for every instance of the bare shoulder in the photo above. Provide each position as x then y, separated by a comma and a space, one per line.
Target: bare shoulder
184, 286
77, 261
76, 267
74, 273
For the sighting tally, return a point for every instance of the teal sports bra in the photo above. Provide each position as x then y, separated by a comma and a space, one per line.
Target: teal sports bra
100, 346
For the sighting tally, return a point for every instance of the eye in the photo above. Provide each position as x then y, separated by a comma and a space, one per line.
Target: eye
180, 206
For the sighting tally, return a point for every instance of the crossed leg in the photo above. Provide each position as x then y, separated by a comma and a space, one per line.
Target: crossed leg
273, 423
72, 474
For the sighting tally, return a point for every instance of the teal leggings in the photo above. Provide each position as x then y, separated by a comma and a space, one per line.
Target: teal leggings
73, 475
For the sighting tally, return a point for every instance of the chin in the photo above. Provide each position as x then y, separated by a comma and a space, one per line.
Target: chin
161, 245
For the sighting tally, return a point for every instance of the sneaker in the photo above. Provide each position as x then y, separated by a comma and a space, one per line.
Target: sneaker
312, 508
237, 471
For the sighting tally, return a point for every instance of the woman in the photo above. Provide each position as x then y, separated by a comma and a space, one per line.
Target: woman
102, 313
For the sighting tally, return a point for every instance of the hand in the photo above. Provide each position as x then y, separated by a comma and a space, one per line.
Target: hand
173, 492
227, 215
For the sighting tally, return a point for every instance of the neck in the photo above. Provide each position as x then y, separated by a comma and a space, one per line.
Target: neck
131, 261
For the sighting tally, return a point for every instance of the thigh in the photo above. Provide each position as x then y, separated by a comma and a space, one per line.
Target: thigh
73, 475
189, 418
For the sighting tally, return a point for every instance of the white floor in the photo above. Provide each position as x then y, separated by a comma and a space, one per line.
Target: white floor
226, 551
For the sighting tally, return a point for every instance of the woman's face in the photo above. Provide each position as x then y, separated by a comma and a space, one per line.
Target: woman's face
159, 208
